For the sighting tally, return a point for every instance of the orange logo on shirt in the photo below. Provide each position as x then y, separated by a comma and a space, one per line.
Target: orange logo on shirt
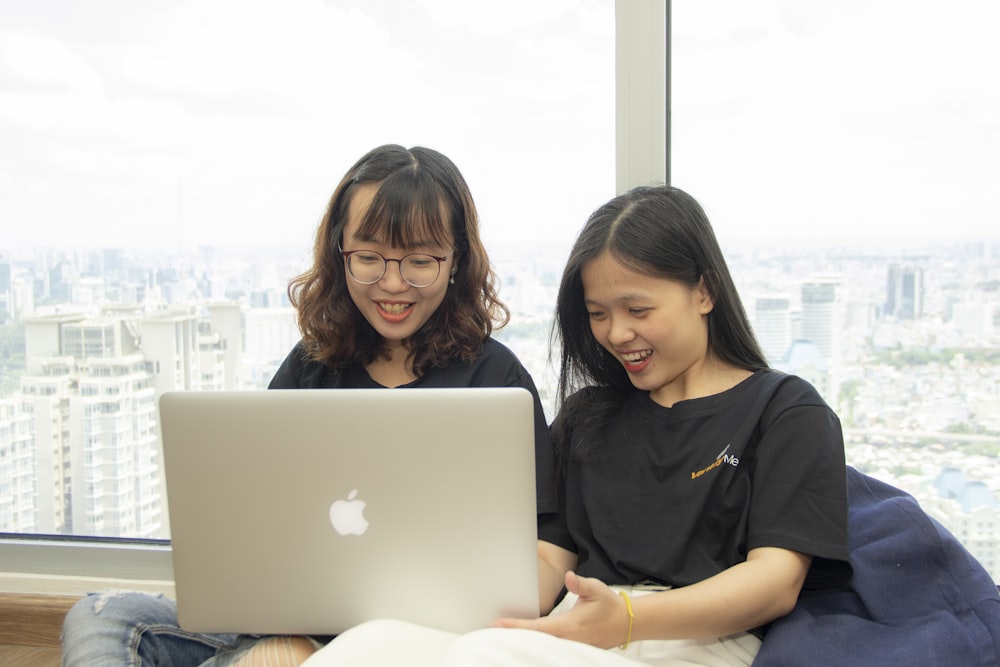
723, 457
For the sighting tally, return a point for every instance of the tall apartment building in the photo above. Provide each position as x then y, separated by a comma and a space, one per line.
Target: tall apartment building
115, 460
821, 316
211, 359
6, 290
270, 335
17, 470
817, 347
772, 323
46, 387
45, 391
90, 394
904, 298
169, 341
226, 319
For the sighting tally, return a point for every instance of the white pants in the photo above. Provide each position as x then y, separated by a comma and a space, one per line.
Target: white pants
396, 643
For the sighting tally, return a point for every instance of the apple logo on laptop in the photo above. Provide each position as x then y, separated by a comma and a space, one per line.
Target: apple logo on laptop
347, 516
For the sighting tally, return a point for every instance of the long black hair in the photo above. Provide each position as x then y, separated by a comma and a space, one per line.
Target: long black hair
659, 231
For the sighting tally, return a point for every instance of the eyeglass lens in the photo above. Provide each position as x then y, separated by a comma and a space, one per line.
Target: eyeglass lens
418, 270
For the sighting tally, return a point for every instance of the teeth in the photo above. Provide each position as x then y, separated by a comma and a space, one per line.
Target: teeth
394, 308
633, 357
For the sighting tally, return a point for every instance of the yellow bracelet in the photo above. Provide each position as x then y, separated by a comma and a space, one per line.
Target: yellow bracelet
631, 617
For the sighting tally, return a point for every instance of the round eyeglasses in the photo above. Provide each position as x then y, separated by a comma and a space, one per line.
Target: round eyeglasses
417, 269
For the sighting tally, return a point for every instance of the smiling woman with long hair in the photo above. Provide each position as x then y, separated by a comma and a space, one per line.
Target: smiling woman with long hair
400, 294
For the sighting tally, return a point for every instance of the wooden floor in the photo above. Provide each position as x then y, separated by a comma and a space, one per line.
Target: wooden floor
29, 656
31, 621
30, 626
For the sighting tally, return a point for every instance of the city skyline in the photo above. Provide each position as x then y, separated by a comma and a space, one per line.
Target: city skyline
915, 390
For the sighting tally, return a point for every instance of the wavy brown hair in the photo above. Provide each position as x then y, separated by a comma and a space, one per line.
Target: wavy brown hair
420, 195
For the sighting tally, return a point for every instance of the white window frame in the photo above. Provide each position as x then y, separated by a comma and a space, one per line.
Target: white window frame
69, 565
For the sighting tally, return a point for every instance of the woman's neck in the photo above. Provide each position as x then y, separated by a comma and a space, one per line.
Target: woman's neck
393, 370
713, 377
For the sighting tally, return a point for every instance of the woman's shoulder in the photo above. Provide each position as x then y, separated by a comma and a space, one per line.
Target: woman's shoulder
595, 393
773, 393
497, 350
300, 371
497, 355
495, 365
785, 387
493, 347
596, 401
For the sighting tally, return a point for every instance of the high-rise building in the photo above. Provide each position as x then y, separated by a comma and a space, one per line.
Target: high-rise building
6, 290
115, 460
91, 390
226, 318
905, 292
17, 470
46, 389
822, 327
822, 317
43, 334
270, 335
6, 273
773, 326
169, 341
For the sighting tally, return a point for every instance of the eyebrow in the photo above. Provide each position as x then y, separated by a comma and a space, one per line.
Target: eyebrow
623, 297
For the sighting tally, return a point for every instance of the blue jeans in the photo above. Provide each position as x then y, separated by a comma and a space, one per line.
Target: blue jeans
141, 630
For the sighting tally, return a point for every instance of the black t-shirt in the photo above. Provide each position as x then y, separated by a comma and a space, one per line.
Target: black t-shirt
496, 366
677, 495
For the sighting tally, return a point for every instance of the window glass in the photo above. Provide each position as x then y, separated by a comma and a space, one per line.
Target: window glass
848, 155
164, 169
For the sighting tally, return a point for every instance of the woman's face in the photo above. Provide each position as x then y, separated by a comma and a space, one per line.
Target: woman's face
655, 327
391, 305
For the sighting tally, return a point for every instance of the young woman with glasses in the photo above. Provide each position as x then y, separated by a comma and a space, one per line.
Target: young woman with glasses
400, 294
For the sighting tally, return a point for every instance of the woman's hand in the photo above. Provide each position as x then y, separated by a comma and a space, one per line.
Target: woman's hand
599, 617
747, 595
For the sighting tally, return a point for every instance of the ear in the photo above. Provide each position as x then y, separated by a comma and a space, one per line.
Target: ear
703, 296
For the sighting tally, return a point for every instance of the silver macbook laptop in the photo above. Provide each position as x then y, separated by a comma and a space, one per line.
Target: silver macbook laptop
310, 511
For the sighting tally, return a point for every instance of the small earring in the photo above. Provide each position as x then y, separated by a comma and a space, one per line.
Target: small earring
451, 281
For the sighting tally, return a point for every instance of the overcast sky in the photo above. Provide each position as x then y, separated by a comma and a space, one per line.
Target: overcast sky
182, 122
846, 118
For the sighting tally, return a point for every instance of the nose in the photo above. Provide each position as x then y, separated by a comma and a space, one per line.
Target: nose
392, 280
619, 332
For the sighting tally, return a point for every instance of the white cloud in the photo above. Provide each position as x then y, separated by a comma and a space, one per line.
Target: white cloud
33, 61
870, 119
238, 117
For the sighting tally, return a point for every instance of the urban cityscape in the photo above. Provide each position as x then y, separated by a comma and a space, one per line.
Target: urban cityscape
903, 343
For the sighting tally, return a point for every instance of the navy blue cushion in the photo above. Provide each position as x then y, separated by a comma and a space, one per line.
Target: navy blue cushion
917, 598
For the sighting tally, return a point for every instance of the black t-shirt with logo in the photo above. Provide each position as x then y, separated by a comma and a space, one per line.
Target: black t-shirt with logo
676, 495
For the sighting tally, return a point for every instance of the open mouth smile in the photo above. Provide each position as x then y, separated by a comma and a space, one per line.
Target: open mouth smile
394, 312
636, 361
394, 308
